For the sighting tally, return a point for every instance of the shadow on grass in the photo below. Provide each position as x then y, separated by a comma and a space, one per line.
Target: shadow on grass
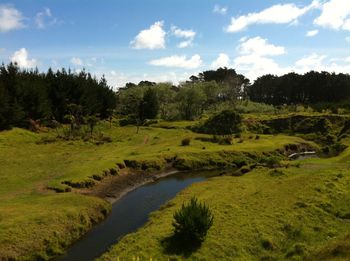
178, 245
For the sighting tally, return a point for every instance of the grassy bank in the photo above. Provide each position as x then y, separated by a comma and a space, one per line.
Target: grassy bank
290, 213
38, 223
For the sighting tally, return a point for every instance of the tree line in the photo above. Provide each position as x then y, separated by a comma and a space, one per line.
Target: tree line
28, 94
187, 101
292, 88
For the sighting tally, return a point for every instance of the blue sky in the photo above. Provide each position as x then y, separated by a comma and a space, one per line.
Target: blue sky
157, 40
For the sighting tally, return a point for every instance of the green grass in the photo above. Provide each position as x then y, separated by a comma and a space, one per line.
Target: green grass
301, 213
38, 223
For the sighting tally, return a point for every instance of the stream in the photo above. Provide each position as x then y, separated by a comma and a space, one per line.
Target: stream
130, 213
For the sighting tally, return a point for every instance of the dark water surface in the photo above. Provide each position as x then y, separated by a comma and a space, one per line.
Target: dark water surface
130, 213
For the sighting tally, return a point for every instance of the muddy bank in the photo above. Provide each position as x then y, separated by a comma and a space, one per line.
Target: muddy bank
114, 183
112, 188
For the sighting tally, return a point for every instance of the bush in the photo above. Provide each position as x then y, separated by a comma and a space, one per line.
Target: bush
226, 122
193, 221
186, 142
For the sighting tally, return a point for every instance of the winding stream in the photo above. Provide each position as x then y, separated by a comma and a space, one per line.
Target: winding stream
129, 213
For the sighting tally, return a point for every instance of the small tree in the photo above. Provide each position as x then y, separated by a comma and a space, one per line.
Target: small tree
192, 221
91, 121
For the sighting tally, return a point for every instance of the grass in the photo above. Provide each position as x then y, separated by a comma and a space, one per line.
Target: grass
37, 223
259, 216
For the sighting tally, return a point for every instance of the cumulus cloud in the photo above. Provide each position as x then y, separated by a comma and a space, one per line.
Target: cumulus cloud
223, 60
310, 62
259, 46
77, 61
318, 62
220, 9
44, 18
187, 35
118, 79
335, 15
10, 18
151, 38
254, 57
177, 61
312, 33
276, 14
89, 62
21, 57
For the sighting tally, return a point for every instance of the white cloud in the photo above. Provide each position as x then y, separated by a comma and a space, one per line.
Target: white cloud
10, 18
223, 60
151, 38
277, 14
259, 46
21, 58
311, 62
220, 9
44, 18
179, 62
77, 61
317, 62
188, 35
254, 58
335, 15
118, 79
312, 33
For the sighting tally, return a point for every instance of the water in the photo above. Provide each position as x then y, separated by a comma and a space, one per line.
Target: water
130, 213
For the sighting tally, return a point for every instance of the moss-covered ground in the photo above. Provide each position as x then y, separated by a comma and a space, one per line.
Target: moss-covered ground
38, 223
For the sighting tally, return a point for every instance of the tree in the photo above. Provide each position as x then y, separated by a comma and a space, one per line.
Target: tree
226, 122
91, 120
192, 221
149, 106
191, 100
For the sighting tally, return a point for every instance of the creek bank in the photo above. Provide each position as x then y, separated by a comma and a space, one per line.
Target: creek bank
130, 213
126, 176
115, 183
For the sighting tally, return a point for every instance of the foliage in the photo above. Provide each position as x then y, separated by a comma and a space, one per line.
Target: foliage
28, 94
186, 141
190, 101
224, 123
193, 221
292, 88
149, 106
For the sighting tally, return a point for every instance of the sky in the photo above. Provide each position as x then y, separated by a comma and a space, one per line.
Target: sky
170, 40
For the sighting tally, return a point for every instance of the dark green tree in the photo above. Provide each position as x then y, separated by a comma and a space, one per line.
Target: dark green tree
149, 106
192, 221
227, 122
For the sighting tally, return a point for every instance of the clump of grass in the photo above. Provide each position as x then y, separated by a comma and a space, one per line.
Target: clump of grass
186, 141
276, 173
267, 244
227, 140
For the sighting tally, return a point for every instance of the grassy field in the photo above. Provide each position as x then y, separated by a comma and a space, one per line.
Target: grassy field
292, 213
38, 223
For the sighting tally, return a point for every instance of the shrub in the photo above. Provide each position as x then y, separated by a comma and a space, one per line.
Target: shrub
193, 221
186, 142
226, 122
227, 140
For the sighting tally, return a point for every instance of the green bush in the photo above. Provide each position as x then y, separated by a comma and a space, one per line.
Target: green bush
186, 142
226, 122
193, 221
